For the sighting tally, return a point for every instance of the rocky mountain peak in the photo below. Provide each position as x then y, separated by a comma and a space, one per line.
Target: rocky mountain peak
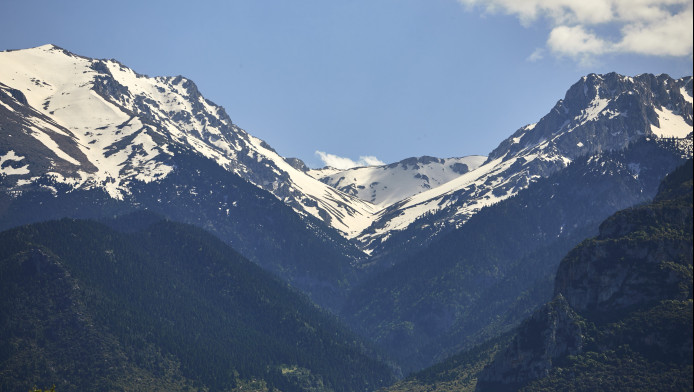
131, 129
599, 113
603, 112
297, 164
415, 161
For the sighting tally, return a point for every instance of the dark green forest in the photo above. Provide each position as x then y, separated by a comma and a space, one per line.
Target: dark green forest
166, 307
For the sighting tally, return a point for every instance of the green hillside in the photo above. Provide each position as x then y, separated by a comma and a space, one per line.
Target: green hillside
168, 307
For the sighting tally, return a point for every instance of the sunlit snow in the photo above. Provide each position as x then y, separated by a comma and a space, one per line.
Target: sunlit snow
671, 125
9, 170
130, 133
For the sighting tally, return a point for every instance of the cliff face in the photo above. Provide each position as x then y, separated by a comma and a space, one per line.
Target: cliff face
624, 273
550, 334
626, 293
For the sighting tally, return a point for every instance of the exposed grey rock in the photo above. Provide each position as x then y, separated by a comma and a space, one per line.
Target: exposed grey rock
552, 332
627, 115
18, 95
459, 168
297, 164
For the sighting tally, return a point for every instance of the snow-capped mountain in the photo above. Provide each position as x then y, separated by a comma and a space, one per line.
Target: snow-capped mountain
387, 184
98, 124
598, 113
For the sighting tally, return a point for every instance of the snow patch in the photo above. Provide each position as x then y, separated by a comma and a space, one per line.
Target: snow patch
388, 184
593, 111
671, 124
6, 106
52, 145
9, 170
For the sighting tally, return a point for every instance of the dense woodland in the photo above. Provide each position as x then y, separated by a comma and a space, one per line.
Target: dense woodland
170, 306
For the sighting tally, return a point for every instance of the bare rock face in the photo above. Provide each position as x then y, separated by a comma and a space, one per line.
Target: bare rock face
617, 274
297, 164
603, 112
551, 333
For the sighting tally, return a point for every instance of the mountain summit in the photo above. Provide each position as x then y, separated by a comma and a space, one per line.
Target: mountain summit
97, 124
599, 113
78, 123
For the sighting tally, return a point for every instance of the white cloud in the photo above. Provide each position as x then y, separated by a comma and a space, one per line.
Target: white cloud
371, 160
672, 37
646, 27
572, 41
537, 55
339, 162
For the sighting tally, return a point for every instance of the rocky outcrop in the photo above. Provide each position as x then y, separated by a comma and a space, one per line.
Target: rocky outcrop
550, 334
297, 164
612, 275
626, 106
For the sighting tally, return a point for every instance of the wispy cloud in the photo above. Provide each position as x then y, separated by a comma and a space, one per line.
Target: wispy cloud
645, 27
339, 162
537, 55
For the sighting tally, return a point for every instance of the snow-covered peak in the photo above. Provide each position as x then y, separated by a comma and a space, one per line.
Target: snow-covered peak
88, 123
387, 184
632, 106
124, 127
598, 113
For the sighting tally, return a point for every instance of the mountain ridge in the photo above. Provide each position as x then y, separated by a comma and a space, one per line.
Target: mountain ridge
583, 123
128, 122
386, 184
110, 109
479, 280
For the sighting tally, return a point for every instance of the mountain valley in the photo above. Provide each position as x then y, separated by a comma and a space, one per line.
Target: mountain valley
423, 259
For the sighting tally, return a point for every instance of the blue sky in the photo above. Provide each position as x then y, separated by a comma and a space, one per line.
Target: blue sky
386, 79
